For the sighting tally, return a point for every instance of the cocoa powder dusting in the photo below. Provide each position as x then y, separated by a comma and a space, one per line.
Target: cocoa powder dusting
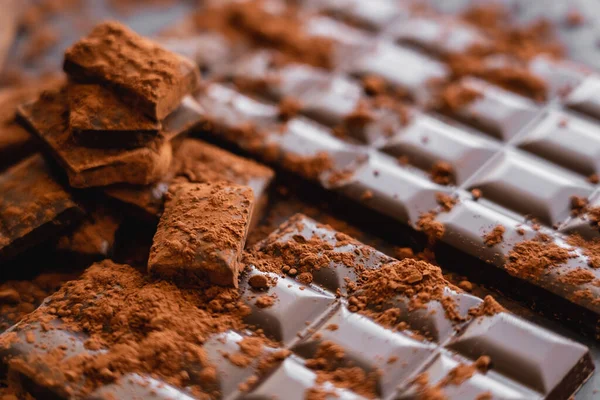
455, 96
330, 366
253, 23
140, 324
19, 298
442, 173
202, 233
495, 236
531, 259
455, 377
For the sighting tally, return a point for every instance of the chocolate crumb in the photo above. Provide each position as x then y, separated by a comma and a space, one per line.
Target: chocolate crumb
259, 282
442, 173
495, 236
476, 194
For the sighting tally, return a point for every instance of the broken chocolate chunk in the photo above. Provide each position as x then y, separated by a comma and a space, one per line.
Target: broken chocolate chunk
47, 117
98, 118
197, 161
34, 206
202, 233
146, 75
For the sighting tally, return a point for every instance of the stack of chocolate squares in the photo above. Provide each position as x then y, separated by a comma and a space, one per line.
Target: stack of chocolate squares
118, 125
314, 314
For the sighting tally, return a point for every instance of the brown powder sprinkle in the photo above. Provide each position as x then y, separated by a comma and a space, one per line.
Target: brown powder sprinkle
139, 323
330, 366
456, 376
442, 173
495, 236
259, 282
265, 301
456, 96
530, 259
289, 108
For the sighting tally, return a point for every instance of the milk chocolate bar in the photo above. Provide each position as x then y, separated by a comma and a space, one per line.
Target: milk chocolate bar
317, 313
34, 206
147, 76
507, 142
48, 118
197, 161
202, 233
98, 118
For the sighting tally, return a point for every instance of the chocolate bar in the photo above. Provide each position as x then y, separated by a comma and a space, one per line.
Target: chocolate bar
505, 141
395, 329
147, 76
197, 161
202, 233
48, 118
34, 206
98, 118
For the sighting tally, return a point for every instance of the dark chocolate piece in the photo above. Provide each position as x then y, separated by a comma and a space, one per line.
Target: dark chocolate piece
93, 239
48, 118
425, 335
98, 118
198, 161
147, 76
15, 141
34, 207
202, 233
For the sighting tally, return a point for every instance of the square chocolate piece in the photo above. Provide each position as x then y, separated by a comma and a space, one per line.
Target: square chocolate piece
98, 118
199, 162
147, 76
47, 117
33, 206
202, 233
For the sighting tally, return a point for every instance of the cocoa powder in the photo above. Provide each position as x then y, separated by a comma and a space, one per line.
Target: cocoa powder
530, 259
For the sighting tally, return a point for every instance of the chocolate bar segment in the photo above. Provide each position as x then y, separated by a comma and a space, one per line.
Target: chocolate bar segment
200, 162
98, 118
202, 233
147, 76
34, 206
505, 138
399, 336
284, 334
48, 118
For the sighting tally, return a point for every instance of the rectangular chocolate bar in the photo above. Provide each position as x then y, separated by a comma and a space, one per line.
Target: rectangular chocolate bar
98, 118
316, 312
198, 161
202, 233
147, 76
34, 207
505, 141
48, 118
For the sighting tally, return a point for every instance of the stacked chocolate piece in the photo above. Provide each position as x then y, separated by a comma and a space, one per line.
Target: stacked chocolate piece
308, 312
118, 124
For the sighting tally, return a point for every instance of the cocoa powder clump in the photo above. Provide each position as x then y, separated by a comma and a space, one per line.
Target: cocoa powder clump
442, 173
532, 258
495, 236
139, 324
